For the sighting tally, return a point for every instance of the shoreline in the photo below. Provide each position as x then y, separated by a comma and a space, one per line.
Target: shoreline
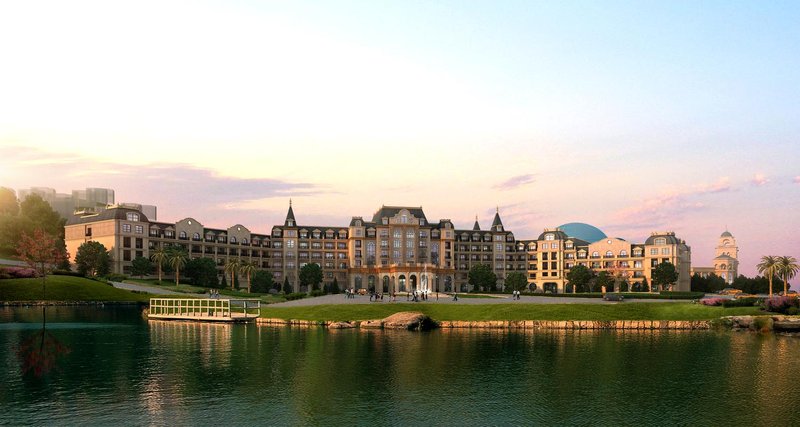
67, 303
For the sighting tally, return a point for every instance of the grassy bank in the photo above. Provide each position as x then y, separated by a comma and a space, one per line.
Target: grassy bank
626, 311
184, 288
65, 288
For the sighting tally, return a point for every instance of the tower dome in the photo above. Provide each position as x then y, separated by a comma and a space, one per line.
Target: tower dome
586, 232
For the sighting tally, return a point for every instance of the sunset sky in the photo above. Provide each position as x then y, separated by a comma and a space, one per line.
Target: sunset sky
631, 116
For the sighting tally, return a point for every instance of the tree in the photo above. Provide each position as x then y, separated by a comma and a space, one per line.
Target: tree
311, 276
178, 259
159, 258
42, 215
664, 275
231, 267
481, 277
709, 284
202, 272
645, 285
287, 288
787, 268
768, 267
602, 281
262, 282
41, 253
516, 281
579, 277
93, 259
247, 269
9, 205
141, 266
335, 286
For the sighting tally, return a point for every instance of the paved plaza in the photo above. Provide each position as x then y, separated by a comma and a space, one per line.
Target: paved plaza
448, 299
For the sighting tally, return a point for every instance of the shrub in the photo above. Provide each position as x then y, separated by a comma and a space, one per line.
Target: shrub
317, 293
780, 304
67, 273
115, 277
295, 295
19, 272
792, 311
712, 301
741, 302
762, 323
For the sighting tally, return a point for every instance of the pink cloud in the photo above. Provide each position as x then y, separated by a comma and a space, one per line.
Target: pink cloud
759, 180
797, 179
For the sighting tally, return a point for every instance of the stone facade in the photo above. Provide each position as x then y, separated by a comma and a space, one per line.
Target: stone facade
397, 250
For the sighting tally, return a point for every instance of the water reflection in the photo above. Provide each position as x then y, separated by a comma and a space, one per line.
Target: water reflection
203, 373
39, 353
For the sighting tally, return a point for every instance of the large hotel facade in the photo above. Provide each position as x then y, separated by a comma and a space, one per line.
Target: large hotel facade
398, 249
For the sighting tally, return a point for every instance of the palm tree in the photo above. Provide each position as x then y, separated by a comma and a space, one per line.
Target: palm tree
177, 259
232, 266
768, 267
159, 257
788, 268
247, 268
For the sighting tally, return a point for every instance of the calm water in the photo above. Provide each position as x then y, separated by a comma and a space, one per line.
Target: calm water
122, 370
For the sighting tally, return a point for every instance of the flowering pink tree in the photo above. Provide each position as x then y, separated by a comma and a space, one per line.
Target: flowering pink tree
41, 254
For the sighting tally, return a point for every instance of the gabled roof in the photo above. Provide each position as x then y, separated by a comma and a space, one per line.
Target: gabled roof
390, 211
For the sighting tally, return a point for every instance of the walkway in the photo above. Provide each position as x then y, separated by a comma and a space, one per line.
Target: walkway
447, 299
155, 290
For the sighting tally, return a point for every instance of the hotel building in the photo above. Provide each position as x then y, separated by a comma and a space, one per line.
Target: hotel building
398, 249
726, 259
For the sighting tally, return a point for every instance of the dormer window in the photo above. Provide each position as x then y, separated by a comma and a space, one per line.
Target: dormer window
385, 221
132, 216
421, 222
549, 237
661, 241
290, 223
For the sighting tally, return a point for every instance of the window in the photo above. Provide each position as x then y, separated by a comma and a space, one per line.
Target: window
126, 242
568, 245
664, 251
154, 231
609, 254
290, 243
182, 235
132, 216
498, 247
661, 241
554, 245
138, 229
359, 232
595, 254
244, 241
169, 233
196, 236
233, 239
549, 237
421, 221
637, 264
384, 243
397, 243
653, 251
396, 255
623, 253
126, 228
498, 238
404, 219
409, 243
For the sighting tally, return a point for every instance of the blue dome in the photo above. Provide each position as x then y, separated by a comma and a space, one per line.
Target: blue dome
583, 231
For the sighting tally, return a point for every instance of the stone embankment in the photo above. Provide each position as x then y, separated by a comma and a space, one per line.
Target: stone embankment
788, 324
418, 321
65, 303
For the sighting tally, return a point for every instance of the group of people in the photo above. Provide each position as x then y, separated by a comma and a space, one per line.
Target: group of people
515, 294
418, 296
213, 294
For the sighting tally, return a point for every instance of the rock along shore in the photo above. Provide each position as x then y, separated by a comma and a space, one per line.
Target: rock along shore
419, 321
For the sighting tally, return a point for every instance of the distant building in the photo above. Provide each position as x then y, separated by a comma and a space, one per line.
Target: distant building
398, 249
726, 259
78, 200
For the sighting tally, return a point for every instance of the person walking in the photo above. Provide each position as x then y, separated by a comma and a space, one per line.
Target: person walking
455, 296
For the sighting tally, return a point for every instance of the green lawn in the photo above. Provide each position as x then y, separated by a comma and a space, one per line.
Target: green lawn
184, 288
625, 311
65, 288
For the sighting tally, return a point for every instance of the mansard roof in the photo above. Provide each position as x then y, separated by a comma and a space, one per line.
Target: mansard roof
390, 211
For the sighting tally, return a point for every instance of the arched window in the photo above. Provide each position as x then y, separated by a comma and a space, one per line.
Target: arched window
196, 236
182, 235
595, 254
244, 241
609, 254
233, 239
623, 253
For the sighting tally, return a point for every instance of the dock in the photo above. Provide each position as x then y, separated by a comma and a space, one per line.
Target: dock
205, 309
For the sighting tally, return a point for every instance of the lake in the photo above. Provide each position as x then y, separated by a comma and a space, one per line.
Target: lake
112, 367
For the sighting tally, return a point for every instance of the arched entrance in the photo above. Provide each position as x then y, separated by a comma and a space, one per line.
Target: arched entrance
413, 282
385, 284
371, 283
402, 282
532, 287
551, 287
448, 284
358, 284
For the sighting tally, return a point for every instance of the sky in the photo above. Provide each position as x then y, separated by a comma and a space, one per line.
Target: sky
631, 116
